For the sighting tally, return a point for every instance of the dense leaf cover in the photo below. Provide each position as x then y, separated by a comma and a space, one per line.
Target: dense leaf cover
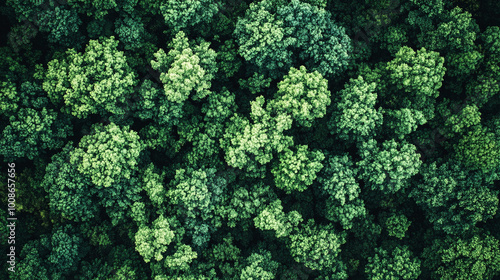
251, 139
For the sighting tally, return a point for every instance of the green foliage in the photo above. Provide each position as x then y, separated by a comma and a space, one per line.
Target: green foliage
478, 149
337, 182
402, 122
476, 257
463, 63
251, 145
131, 32
228, 60
322, 44
455, 200
396, 224
107, 155
152, 103
63, 26
303, 95
99, 9
30, 132
457, 123
246, 202
260, 266
151, 242
297, 170
197, 193
394, 38
185, 69
273, 39
33, 265
263, 40
69, 192
98, 81
256, 83
317, 247
389, 168
273, 218
236, 139
183, 14
456, 31
397, 264
65, 250
153, 185
355, 116
417, 72
181, 258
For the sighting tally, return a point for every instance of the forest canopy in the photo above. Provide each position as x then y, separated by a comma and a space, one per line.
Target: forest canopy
250, 139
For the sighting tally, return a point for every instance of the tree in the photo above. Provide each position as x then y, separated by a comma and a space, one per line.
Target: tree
275, 38
337, 182
99, 9
297, 170
51, 256
319, 42
456, 31
131, 32
62, 25
183, 14
70, 194
98, 81
259, 266
317, 247
402, 122
454, 199
396, 224
31, 132
65, 253
152, 103
246, 202
303, 95
388, 169
411, 80
263, 40
107, 155
273, 218
198, 193
399, 263
475, 257
151, 242
355, 117
450, 124
121, 263
478, 149
417, 72
249, 145
185, 69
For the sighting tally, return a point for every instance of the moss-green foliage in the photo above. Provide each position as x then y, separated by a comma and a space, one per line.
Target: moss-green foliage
297, 170
397, 264
30, 132
340, 189
454, 199
182, 14
478, 149
276, 38
98, 81
389, 168
185, 69
355, 116
302, 95
476, 257
250, 139
108, 155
